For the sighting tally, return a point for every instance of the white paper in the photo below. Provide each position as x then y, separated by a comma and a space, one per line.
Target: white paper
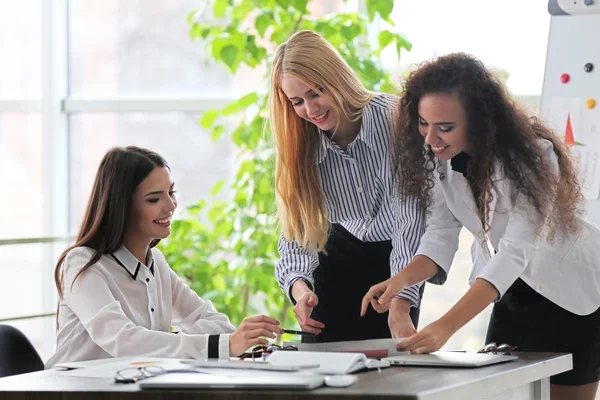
328, 362
109, 367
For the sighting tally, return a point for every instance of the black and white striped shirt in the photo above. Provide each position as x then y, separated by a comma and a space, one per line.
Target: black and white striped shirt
361, 196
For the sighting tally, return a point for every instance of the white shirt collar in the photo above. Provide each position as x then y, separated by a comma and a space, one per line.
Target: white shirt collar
130, 263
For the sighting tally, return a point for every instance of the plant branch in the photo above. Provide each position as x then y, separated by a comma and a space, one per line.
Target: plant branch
297, 24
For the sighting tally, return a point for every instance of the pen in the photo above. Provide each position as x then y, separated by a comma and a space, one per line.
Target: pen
293, 332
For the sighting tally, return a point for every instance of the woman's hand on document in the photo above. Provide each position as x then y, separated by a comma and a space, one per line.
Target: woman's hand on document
251, 332
429, 339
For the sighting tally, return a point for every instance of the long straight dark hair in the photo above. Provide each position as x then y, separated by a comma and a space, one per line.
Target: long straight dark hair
107, 214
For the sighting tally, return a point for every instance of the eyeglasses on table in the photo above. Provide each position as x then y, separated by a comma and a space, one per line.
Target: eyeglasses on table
493, 348
262, 351
136, 374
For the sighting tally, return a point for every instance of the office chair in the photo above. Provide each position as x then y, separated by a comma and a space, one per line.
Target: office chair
17, 355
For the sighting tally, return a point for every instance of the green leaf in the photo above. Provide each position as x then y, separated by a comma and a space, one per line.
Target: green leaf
208, 118
194, 31
263, 21
402, 43
220, 8
350, 32
283, 3
384, 38
229, 55
241, 10
279, 36
190, 17
382, 7
217, 188
241, 104
217, 132
252, 49
205, 32
371, 8
300, 5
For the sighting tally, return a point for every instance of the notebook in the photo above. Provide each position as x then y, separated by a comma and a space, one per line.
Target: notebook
256, 380
329, 362
449, 359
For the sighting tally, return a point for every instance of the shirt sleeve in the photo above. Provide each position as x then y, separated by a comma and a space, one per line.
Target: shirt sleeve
196, 316
440, 241
515, 248
409, 226
103, 318
520, 239
294, 263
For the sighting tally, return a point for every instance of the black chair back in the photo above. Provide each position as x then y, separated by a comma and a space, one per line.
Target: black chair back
17, 354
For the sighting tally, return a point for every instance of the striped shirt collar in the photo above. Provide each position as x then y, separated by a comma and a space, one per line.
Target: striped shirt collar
130, 263
366, 134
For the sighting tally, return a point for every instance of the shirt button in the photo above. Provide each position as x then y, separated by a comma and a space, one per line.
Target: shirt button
367, 216
539, 287
147, 279
359, 189
352, 161
152, 309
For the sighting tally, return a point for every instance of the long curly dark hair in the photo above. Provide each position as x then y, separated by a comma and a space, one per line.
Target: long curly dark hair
496, 126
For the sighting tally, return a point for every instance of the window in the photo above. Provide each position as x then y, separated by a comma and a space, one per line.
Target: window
510, 35
21, 205
139, 47
196, 162
20, 39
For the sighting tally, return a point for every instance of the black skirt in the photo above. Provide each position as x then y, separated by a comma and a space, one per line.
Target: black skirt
525, 318
345, 273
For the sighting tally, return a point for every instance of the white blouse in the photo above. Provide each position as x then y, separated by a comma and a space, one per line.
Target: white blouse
566, 272
121, 307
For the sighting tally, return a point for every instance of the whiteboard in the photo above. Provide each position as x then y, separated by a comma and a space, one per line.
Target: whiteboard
571, 86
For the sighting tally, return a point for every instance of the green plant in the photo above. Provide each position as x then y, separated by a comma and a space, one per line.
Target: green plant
230, 259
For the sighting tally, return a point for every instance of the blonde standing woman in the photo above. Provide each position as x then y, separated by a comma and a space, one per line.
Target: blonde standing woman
343, 229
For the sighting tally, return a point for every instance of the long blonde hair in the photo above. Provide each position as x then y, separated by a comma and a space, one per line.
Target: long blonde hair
312, 60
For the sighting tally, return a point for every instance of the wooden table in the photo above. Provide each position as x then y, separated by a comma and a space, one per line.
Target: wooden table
526, 378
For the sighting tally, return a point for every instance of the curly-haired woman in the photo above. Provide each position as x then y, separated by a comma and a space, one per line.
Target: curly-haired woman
472, 158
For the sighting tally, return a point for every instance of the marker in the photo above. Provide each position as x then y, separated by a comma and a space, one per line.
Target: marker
293, 332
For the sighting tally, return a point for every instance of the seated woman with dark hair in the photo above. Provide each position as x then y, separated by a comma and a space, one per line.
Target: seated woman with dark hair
118, 296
